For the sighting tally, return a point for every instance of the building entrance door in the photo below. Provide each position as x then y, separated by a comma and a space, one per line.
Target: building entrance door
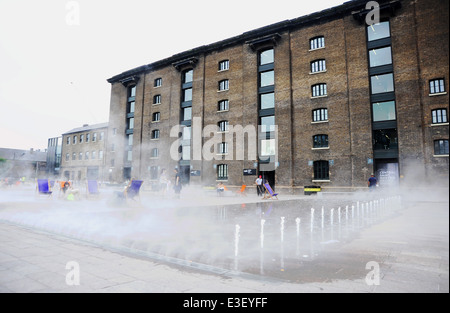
269, 177
387, 172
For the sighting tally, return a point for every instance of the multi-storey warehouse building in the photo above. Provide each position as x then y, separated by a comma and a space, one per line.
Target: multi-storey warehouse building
337, 96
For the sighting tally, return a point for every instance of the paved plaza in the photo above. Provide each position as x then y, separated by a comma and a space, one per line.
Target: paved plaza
410, 247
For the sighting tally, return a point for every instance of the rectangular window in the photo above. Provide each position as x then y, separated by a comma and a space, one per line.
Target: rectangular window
268, 124
384, 111
94, 137
223, 148
382, 83
154, 173
224, 85
81, 138
68, 140
223, 126
132, 92
93, 155
102, 136
188, 76
222, 172
186, 153
100, 155
187, 114
155, 152
439, 116
321, 170
437, 86
266, 57
224, 65
130, 139
130, 125
86, 155
267, 79
268, 147
157, 99
186, 133
88, 136
187, 95
320, 115
381, 56
75, 140
156, 117
80, 156
155, 134
319, 90
318, 66
158, 82
74, 156
267, 101
223, 105
131, 107
441, 147
385, 139
320, 141
378, 31
317, 43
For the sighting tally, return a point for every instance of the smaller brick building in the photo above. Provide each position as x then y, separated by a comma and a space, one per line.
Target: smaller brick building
83, 153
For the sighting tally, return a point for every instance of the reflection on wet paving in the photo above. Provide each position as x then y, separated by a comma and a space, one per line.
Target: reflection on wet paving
294, 240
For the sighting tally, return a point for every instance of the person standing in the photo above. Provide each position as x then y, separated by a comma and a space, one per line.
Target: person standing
177, 184
258, 183
372, 183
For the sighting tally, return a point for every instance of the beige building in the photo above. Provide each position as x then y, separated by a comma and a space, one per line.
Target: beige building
83, 153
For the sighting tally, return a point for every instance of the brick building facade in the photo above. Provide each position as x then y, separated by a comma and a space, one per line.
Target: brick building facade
83, 153
337, 98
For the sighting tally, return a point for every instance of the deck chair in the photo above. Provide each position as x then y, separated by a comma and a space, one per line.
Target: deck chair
242, 191
92, 188
43, 187
133, 189
269, 194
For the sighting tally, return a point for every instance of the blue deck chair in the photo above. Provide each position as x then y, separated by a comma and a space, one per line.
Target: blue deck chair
269, 194
133, 189
43, 187
92, 188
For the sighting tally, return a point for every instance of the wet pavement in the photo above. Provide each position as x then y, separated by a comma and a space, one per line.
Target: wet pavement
203, 243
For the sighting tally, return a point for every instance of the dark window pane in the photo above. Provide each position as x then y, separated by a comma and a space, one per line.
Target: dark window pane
385, 139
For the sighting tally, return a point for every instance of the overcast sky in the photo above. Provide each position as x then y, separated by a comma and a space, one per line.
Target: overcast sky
55, 55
